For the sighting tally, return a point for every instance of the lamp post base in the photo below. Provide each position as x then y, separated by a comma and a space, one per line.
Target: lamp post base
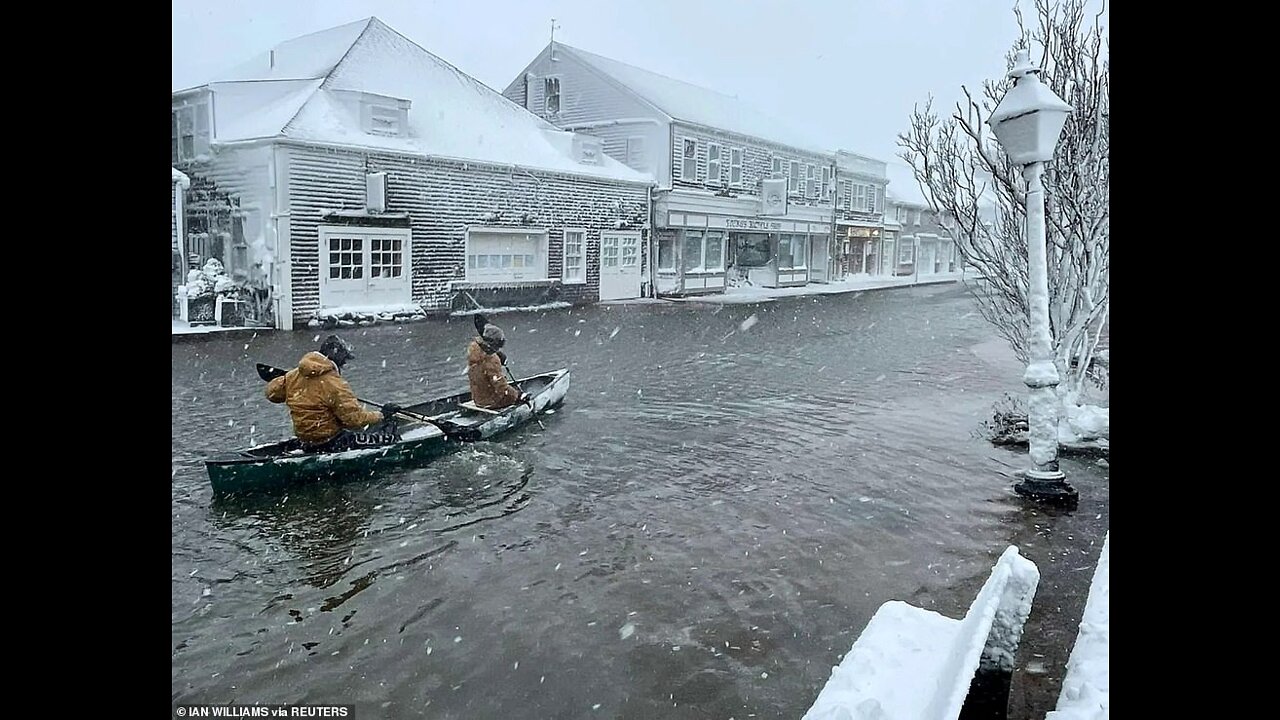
1047, 487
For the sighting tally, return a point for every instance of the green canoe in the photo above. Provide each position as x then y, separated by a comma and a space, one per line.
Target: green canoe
273, 466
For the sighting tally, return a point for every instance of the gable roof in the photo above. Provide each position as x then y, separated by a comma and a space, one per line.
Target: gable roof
296, 91
692, 103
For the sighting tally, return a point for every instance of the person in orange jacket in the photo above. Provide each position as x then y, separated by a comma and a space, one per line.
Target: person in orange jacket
489, 386
322, 405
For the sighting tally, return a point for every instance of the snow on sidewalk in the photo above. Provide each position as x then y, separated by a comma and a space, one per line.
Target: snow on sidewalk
855, 283
1086, 689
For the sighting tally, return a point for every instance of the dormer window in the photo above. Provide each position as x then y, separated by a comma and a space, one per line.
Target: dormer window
380, 115
384, 120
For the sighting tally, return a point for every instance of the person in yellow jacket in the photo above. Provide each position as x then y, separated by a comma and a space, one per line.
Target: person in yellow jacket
489, 386
322, 405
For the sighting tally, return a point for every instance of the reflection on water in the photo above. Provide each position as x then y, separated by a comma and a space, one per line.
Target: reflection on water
700, 531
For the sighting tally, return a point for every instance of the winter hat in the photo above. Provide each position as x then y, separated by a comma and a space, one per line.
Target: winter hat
337, 349
493, 336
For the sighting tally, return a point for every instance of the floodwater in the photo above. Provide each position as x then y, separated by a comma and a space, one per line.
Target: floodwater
700, 531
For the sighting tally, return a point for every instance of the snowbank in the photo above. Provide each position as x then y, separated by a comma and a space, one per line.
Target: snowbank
1085, 422
1086, 690
915, 664
364, 315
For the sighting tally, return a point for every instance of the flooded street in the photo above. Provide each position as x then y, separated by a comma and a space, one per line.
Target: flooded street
702, 529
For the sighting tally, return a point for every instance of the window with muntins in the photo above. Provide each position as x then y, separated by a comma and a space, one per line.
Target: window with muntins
346, 258
689, 161
388, 257
575, 256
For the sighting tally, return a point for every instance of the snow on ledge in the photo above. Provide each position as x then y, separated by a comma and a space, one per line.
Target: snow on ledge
521, 308
181, 178
1086, 689
337, 312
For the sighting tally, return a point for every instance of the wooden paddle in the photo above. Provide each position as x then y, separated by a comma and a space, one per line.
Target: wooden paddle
452, 430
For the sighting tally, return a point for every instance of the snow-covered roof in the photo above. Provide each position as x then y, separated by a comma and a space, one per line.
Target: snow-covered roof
903, 188
691, 103
300, 90
180, 178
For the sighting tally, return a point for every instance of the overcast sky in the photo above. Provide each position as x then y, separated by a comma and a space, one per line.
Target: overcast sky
847, 72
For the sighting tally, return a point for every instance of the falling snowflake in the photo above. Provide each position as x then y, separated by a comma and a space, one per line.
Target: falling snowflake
746, 324
615, 332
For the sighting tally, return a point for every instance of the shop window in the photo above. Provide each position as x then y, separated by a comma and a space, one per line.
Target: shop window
666, 254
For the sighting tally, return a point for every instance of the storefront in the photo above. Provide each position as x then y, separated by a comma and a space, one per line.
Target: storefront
704, 240
857, 248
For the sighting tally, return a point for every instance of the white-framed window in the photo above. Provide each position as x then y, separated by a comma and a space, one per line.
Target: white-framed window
777, 172
575, 256
917, 217
906, 251
713, 163
689, 160
666, 253
844, 194
506, 255
811, 175
791, 251
902, 215
551, 95
735, 166
793, 186
386, 258
346, 258
703, 251
871, 198
635, 153
189, 121
826, 183
859, 197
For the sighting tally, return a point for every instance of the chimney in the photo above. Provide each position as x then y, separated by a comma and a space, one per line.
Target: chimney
273, 59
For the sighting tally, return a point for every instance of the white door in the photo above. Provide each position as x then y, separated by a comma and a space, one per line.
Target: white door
364, 266
619, 265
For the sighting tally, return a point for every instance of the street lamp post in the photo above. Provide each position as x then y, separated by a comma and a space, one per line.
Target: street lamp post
1027, 123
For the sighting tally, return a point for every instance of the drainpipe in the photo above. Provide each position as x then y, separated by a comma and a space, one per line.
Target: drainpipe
831, 238
653, 254
180, 183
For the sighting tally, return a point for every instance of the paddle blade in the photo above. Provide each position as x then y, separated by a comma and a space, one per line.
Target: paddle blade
269, 373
